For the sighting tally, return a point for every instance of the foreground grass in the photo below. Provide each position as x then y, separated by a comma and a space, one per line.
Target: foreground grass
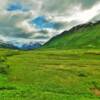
50, 74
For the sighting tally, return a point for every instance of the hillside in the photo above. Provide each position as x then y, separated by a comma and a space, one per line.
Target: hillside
83, 36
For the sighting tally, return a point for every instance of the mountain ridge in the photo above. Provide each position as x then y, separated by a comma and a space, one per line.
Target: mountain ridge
91, 29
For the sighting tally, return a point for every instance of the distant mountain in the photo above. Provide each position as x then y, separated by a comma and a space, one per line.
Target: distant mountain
30, 46
23, 47
82, 36
5, 45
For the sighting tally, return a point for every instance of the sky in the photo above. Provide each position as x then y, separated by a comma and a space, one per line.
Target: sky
37, 21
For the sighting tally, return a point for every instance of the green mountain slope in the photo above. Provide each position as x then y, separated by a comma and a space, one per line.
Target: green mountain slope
85, 36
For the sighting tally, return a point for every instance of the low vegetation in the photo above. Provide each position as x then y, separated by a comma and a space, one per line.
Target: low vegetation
50, 75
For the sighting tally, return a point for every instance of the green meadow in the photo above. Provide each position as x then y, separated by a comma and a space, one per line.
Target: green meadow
66, 68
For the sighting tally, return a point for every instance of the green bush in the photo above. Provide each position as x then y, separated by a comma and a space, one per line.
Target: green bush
4, 68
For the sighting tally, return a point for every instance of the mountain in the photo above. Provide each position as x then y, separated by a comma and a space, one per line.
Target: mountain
82, 36
6, 45
22, 47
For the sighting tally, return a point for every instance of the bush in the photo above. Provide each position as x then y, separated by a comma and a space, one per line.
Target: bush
82, 74
2, 59
4, 68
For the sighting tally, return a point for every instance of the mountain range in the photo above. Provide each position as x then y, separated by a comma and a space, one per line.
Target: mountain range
81, 36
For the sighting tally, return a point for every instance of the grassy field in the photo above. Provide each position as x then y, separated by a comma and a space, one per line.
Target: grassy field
50, 74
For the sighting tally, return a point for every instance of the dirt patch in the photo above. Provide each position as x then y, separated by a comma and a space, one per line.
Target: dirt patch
95, 91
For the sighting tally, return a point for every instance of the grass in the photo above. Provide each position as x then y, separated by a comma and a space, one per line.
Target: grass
51, 75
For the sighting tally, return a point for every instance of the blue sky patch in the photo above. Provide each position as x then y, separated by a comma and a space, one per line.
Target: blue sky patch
42, 23
17, 7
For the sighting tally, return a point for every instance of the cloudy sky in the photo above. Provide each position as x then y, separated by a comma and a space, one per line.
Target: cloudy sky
37, 21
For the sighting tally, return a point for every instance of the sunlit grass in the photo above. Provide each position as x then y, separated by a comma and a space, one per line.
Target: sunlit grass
51, 74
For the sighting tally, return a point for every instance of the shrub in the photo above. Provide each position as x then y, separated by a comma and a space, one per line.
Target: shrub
4, 68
